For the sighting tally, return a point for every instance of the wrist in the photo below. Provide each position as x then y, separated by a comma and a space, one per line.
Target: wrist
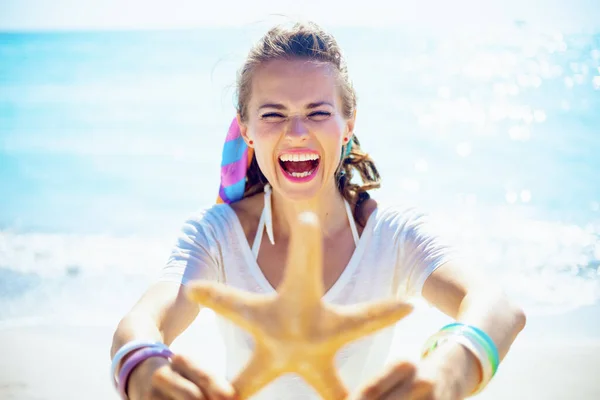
469, 365
475, 353
139, 380
459, 367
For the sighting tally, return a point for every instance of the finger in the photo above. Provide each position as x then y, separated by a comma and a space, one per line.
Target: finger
421, 390
174, 386
401, 392
212, 388
396, 375
411, 390
156, 394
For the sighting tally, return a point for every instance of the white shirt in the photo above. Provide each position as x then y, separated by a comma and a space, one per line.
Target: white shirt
395, 254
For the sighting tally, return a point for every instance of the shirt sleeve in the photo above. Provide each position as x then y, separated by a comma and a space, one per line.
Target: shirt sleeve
421, 250
195, 254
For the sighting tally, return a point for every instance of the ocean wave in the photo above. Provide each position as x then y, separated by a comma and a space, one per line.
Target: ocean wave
547, 266
550, 267
52, 255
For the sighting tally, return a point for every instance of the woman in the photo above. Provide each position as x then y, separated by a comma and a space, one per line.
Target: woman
293, 139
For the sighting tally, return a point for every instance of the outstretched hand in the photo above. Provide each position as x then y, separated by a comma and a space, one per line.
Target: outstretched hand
158, 379
446, 374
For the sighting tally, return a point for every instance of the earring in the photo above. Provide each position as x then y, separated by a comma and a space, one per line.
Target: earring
250, 142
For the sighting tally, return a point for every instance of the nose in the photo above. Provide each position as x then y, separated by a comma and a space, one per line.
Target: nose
297, 128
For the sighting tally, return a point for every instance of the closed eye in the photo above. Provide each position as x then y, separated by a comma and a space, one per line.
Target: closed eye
272, 116
319, 115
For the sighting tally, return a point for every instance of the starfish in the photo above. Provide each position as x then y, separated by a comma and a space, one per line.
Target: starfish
294, 330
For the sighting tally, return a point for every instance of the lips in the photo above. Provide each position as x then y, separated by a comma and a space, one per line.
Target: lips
299, 166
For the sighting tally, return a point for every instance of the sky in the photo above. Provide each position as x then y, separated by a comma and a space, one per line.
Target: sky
423, 14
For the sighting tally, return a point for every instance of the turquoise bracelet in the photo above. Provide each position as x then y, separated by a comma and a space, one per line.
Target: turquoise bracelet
481, 337
476, 341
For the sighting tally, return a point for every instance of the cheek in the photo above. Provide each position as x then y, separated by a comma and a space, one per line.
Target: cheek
264, 150
264, 134
332, 140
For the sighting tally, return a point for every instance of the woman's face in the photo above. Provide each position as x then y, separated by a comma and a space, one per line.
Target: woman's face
296, 126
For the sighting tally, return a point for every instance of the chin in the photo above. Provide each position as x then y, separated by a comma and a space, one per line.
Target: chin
298, 190
299, 194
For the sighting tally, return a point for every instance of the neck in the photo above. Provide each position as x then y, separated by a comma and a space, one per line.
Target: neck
328, 205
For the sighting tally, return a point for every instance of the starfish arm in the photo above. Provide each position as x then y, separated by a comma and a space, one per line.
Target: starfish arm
303, 277
239, 306
354, 321
324, 378
256, 374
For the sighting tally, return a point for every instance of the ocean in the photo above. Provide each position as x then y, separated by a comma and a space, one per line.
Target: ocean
109, 139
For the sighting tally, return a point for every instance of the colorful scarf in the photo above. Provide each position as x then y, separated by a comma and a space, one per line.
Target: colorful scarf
235, 161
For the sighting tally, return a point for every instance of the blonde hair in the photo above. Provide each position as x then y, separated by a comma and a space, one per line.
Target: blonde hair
306, 40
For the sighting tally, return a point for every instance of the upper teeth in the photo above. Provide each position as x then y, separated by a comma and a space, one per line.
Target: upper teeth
299, 157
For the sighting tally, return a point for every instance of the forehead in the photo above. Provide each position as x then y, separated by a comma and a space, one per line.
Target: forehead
294, 81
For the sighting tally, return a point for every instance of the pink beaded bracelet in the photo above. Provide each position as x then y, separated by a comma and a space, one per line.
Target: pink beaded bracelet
134, 360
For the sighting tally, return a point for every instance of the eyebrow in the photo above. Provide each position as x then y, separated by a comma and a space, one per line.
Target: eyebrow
278, 106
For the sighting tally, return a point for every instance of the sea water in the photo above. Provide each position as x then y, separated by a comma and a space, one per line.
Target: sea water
108, 140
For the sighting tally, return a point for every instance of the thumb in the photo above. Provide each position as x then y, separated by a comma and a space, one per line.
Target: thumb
393, 376
211, 387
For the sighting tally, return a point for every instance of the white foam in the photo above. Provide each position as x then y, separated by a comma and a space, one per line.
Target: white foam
548, 266
52, 254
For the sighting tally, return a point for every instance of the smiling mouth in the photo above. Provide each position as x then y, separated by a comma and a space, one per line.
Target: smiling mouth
299, 165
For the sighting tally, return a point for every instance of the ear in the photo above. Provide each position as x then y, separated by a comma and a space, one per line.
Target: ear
350, 125
243, 129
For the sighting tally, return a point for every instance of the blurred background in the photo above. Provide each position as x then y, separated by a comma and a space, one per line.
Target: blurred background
113, 115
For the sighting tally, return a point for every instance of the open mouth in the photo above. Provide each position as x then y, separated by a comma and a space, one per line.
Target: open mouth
299, 166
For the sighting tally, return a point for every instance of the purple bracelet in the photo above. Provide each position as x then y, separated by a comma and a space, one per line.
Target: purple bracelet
134, 360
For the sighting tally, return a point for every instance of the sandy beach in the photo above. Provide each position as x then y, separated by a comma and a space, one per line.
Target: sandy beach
54, 361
